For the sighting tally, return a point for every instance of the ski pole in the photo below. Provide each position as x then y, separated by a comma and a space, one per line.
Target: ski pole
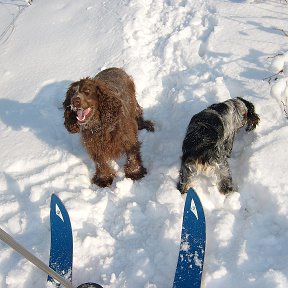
5, 237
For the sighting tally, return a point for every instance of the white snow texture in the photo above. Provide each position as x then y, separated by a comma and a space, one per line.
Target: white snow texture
184, 56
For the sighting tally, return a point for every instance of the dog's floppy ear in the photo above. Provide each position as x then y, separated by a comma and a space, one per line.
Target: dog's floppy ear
70, 92
252, 117
110, 106
70, 120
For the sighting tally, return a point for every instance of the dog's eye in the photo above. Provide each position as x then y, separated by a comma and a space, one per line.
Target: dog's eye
87, 91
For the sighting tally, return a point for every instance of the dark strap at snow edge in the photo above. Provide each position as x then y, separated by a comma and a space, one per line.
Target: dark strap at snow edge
5, 237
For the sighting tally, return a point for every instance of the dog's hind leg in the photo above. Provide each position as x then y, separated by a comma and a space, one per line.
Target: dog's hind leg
224, 178
188, 170
134, 168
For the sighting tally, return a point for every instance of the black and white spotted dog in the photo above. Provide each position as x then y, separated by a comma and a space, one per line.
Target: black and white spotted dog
209, 141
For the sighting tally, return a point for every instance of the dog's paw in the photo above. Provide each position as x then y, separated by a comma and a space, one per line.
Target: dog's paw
183, 188
102, 181
226, 187
135, 174
180, 186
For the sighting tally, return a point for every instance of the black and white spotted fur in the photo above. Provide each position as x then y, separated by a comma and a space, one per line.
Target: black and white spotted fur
209, 141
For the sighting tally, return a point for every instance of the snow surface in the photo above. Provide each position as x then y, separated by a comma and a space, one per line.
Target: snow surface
183, 55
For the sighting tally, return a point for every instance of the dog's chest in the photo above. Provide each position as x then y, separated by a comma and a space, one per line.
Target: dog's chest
97, 143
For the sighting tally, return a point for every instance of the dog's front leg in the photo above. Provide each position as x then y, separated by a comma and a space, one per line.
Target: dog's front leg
224, 178
104, 174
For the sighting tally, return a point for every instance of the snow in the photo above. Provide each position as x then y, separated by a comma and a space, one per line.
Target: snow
183, 56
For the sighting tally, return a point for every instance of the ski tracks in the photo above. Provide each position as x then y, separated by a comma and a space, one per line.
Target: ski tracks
167, 54
176, 76
170, 37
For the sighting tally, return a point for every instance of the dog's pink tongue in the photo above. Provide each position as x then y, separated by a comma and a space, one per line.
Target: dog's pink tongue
81, 114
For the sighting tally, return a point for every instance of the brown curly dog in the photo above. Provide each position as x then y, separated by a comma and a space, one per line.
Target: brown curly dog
105, 111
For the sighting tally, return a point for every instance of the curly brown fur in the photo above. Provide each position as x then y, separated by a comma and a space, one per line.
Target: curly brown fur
105, 111
209, 141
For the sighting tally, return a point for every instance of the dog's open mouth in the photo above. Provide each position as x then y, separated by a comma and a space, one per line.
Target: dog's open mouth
83, 114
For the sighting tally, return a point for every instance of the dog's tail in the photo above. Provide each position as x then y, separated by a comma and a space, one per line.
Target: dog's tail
143, 124
252, 117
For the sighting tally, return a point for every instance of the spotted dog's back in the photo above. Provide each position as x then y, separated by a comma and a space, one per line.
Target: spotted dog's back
203, 133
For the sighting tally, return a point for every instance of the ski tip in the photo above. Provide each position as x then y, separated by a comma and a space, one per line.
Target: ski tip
56, 202
55, 199
192, 196
191, 191
193, 205
58, 210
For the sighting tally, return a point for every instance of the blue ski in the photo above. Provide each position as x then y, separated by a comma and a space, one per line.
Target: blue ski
61, 250
192, 248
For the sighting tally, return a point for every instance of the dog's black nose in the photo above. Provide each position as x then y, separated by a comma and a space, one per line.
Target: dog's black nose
76, 102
